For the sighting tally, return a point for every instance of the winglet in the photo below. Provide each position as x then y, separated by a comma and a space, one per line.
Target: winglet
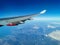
42, 12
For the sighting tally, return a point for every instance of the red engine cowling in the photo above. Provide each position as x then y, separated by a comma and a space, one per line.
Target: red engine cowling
11, 24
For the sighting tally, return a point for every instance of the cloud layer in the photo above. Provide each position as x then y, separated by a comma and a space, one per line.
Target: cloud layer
55, 35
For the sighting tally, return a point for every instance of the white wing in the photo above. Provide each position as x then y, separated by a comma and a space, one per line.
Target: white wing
12, 21
42, 12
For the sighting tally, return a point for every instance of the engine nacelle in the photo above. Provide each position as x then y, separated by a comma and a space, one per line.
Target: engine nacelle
11, 24
15, 23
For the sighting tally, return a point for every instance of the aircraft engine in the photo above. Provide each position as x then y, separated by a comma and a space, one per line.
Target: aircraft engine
11, 24
15, 23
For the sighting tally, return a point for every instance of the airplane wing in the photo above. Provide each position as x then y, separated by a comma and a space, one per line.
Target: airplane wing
13, 21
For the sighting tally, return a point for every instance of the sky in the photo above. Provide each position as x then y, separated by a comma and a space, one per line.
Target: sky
27, 7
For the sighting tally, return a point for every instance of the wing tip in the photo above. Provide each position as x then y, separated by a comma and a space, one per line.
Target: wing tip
43, 11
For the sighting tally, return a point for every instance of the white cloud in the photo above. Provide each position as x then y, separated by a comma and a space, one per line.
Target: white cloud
50, 26
55, 22
35, 27
55, 35
46, 18
46, 35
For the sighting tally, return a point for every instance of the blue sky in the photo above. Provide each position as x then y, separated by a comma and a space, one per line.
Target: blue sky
27, 7
24, 7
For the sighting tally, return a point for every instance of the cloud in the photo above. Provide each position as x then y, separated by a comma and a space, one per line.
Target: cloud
55, 22
36, 27
46, 35
47, 19
55, 35
50, 26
